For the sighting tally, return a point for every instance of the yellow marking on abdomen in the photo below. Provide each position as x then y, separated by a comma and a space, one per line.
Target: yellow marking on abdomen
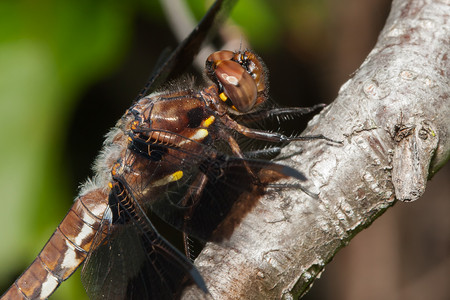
207, 122
223, 97
177, 175
199, 135
168, 179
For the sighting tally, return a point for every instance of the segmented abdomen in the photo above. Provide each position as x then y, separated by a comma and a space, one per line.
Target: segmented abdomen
64, 252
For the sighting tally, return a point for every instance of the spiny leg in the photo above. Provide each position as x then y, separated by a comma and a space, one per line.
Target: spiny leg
237, 152
280, 112
190, 200
270, 136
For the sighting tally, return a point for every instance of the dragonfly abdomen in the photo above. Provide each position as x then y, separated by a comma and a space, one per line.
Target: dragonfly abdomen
65, 250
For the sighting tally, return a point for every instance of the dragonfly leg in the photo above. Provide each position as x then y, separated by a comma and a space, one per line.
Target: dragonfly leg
237, 152
284, 112
270, 136
190, 200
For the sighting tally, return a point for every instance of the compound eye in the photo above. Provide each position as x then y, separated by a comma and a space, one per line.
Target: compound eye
238, 85
216, 58
220, 55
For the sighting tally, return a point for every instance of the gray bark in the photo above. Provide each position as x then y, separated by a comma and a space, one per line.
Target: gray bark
393, 116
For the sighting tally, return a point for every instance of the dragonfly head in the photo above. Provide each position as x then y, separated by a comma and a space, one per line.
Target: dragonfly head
241, 77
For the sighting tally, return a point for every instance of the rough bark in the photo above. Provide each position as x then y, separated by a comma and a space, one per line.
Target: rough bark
393, 116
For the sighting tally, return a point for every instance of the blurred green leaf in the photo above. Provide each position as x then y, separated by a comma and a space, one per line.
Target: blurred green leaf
259, 22
49, 52
257, 19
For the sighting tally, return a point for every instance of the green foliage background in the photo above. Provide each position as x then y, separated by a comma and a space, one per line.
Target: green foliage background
51, 52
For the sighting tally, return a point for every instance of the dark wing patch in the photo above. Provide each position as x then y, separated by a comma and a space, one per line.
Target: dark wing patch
134, 261
183, 55
211, 183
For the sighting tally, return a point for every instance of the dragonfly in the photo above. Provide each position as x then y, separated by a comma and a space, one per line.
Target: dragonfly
177, 154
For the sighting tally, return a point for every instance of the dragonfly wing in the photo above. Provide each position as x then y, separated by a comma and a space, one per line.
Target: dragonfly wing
183, 55
211, 183
135, 263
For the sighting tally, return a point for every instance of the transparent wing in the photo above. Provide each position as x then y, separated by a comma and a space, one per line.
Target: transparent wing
184, 54
135, 262
212, 181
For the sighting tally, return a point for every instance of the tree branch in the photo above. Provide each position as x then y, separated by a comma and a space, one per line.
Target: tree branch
393, 116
